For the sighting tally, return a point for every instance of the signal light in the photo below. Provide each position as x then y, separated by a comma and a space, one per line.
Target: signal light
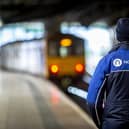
54, 69
79, 68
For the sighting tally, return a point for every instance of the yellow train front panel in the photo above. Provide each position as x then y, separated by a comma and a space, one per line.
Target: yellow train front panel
67, 66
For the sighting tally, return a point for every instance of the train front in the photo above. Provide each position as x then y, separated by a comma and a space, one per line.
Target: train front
65, 58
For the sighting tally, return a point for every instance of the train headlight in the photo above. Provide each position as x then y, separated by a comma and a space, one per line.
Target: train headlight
79, 68
54, 69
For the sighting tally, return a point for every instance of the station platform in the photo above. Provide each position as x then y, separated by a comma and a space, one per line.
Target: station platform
27, 102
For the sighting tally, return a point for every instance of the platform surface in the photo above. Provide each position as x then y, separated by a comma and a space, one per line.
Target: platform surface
27, 102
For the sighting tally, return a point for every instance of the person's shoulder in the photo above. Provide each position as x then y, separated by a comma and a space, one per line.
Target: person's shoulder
104, 60
107, 57
112, 53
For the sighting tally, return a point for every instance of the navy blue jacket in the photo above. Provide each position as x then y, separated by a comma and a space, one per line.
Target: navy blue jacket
108, 93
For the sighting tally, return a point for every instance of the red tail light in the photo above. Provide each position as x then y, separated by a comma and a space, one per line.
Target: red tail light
79, 68
54, 69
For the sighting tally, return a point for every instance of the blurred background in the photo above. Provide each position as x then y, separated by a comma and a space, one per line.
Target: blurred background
93, 21
57, 40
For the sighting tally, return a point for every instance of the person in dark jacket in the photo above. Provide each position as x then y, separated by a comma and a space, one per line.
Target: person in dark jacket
108, 92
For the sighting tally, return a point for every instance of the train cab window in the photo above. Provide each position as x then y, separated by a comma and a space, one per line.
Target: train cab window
63, 51
52, 49
79, 49
75, 48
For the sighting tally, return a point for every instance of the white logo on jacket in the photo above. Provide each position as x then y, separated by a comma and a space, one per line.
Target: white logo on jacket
117, 62
126, 61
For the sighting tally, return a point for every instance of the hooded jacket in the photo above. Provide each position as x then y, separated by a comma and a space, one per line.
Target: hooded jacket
108, 92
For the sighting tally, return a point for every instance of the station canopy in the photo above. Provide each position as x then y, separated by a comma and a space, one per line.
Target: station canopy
84, 11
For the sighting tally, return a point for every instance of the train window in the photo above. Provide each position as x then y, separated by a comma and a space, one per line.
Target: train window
52, 49
79, 49
63, 51
55, 48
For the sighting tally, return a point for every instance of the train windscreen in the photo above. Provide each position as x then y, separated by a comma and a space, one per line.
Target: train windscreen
73, 48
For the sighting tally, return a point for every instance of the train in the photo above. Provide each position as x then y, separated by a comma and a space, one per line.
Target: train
56, 57
65, 57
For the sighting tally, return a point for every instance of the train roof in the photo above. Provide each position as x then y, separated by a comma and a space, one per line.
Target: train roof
61, 35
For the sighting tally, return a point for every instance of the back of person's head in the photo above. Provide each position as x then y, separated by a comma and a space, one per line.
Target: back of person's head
122, 29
